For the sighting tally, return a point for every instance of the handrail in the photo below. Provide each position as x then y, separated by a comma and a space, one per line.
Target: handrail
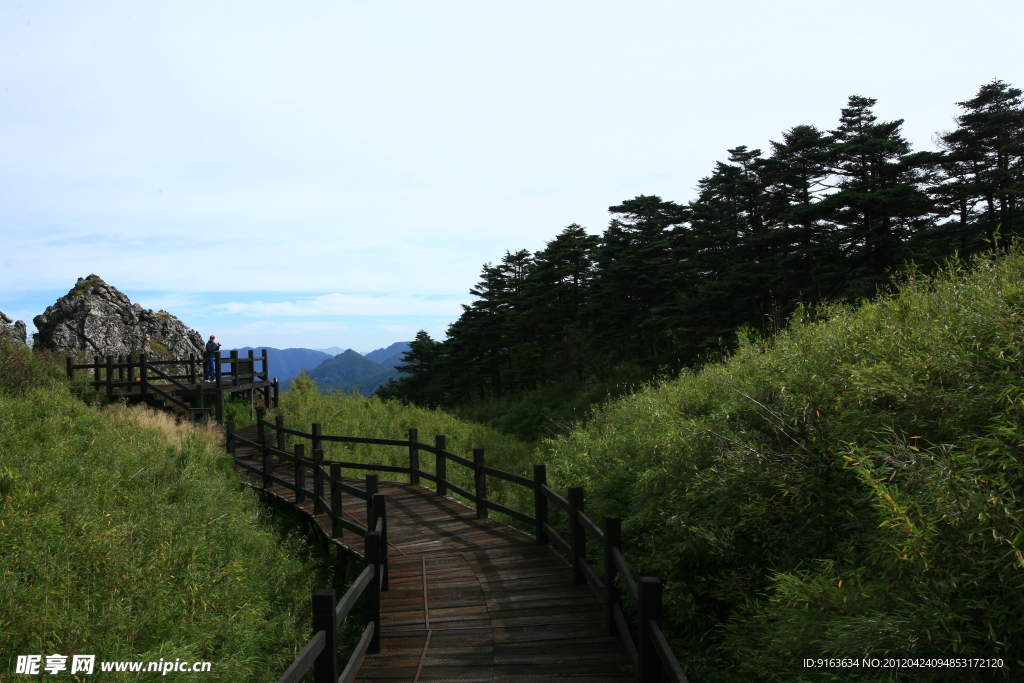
309, 654
321, 653
168, 397
164, 375
649, 650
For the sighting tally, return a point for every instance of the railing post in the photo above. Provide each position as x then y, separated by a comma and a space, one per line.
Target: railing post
540, 501
577, 534
300, 473
268, 465
261, 432
110, 378
380, 513
229, 432
234, 367
649, 610
480, 483
69, 364
316, 435
191, 368
120, 367
336, 529
318, 480
96, 373
372, 486
220, 406
371, 598
217, 370
144, 378
277, 392
441, 465
279, 426
612, 541
414, 457
325, 666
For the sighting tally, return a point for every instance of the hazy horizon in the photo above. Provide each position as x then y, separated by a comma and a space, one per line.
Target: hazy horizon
337, 173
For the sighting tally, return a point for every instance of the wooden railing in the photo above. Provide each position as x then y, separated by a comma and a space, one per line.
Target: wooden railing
620, 593
321, 652
326, 481
145, 374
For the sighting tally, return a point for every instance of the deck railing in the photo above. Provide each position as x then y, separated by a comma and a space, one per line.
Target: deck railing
143, 376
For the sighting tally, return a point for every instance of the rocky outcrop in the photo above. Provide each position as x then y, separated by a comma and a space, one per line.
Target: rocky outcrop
94, 319
15, 331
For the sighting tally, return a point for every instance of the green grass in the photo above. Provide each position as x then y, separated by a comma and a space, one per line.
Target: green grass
128, 537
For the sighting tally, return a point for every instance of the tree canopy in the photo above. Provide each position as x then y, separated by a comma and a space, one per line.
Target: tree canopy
822, 216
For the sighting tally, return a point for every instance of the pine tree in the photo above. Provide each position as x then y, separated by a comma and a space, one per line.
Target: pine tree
636, 290
983, 166
555, 294
796, 179
731, 252
481, 340
422, 380
878, 201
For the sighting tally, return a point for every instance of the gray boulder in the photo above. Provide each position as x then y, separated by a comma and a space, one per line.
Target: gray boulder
15, 331
94, 319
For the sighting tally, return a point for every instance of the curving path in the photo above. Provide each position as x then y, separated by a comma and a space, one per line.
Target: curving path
474, 600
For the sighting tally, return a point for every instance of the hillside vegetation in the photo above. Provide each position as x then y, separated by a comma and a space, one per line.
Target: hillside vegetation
850, 488
128, 537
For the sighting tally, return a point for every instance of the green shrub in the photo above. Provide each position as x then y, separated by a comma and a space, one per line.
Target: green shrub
851, 488
21, 369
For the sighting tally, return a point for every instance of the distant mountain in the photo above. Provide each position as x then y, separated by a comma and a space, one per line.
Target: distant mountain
288, 363
394, 360
390, 356
332, 351
350, 371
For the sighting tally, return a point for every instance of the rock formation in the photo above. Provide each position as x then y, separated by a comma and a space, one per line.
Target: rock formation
94, 319
15, 331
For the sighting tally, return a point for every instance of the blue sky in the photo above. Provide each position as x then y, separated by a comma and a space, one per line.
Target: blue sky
337, 173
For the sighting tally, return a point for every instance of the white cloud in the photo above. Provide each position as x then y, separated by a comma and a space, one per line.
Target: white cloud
345, 304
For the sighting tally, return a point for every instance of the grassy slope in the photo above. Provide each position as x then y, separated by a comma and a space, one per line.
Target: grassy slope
128, 538
852, 488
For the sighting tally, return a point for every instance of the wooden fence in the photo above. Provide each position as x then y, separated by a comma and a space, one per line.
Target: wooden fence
321, 652
620, 593
139, 377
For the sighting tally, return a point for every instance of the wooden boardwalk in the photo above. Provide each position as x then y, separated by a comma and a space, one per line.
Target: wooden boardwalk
472, 599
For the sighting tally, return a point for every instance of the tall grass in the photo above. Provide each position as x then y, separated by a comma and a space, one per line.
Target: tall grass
852, 488
127, 536
342, 415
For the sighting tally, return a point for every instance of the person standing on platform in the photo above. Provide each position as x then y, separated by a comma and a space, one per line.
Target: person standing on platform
212, 351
